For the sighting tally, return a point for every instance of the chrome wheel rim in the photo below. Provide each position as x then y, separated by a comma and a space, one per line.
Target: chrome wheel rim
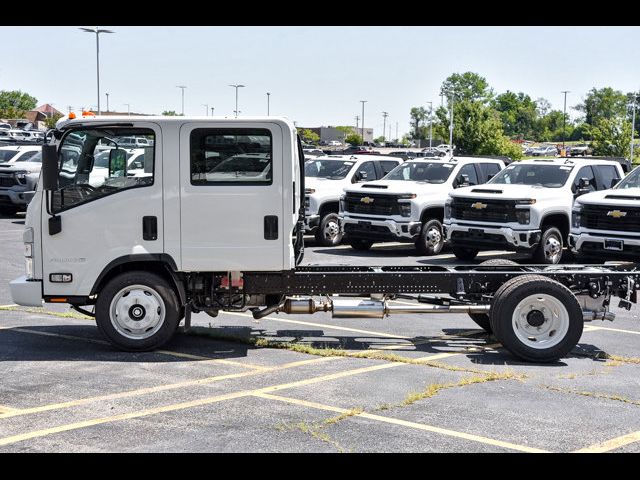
553, 249
137, 312
434, 237
540, 321
331, 230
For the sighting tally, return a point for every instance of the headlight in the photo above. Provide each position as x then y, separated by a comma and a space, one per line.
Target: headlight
405, 209
576, 216
406, 196
343, 203
523, 216
447, 208
309, 191
528, 201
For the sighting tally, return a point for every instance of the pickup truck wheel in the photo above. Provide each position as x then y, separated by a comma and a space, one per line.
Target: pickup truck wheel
482, 319
361, 245
465, 253
549, 252
328, 233
535, 318
8, 211
137, 311
431, 239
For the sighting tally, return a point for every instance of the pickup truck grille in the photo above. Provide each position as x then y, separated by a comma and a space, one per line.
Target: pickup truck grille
373, 204
8, 181
597, 218
498, 211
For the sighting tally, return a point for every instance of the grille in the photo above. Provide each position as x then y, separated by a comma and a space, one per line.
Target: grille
8, 181
381, 204
498, 211
595, 216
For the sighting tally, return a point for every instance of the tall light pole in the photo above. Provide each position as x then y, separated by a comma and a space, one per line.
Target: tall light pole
268, 95
212, 109
107, 101
182, 87
451, 122
97, 31
396, 132
633, 123
363, 102
564, 116
128, 108
384, 123
236, 86
430, 122
206, 109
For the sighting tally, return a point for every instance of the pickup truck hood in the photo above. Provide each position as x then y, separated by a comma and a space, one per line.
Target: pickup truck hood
325, 186
395, 187
614, 197
510, 192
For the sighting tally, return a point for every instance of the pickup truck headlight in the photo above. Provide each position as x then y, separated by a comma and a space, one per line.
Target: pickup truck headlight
523, 216
405, 209
343, 204
447, 208
528, 201
576, 216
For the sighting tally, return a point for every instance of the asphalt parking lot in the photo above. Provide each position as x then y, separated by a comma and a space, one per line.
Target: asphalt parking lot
402, 384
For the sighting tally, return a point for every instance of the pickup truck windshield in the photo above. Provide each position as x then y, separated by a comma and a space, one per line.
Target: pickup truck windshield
332, 169
550, 176
7, 155
422, 172
631, 181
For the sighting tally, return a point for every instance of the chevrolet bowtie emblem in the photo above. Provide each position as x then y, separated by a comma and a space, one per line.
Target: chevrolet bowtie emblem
478, 205
616, 214
366, 200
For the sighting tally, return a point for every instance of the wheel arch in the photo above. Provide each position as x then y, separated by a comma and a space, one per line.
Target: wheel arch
558, 220
436, 213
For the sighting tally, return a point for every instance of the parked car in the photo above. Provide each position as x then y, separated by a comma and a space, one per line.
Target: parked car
5, 126
335, 143
18, 153
444, 147
19, 171
325, 179
579, 150
525, 208
407, 205
544, 151
312, 152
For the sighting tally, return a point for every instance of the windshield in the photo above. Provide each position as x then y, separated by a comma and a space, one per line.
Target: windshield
550, 176
630, 181
7, 155
332, 169
422, 172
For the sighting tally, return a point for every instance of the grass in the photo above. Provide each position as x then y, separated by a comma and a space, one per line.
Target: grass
584, 393
42, 311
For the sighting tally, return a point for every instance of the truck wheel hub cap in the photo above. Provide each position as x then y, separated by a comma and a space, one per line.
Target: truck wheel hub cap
137, 312
540, 321
331, 230
552, 248
433, 236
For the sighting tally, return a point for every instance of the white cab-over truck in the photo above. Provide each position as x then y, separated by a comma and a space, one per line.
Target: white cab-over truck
142, 253
408, 204
606, 224
325, 178
525, 208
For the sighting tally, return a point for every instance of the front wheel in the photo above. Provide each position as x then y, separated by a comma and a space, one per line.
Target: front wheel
138, 311
431, 239
537, 319
549, 252
328, 233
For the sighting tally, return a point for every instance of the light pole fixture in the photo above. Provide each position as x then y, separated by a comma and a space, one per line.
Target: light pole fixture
236, 86
564, 116
633, 123
430, 123
212, 109
268, 95
384, 124
97, 31
453, 95
182, 87
107, 101
362, 131
128, 108
206, 109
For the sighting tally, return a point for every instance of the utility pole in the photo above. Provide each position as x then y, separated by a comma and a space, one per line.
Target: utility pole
357, 117
212, 109
236, 86
363, 102
396, 132
451, 122
70, 108
564, 116
384, 123
389, 131
107, 101
206, 109
268, 96
182, 87
430, 123
633, 124
97, 31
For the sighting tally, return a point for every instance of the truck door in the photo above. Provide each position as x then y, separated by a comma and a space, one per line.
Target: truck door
231, 196
108, 208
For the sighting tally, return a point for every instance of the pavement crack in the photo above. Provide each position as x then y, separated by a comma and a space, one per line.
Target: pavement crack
584, 393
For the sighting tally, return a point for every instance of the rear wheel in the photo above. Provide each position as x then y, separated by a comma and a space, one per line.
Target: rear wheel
465, 253
549, 252
328, 233
138, 311
431, 239
536, 318
361, 245
482, 319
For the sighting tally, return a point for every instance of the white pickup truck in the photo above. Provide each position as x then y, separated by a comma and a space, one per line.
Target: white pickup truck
606, 224
326, 177
408, 204
525, 208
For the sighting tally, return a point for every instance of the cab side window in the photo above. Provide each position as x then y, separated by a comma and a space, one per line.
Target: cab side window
364, 173
489, 170
386, 166
608, 175
585, 172
469, 170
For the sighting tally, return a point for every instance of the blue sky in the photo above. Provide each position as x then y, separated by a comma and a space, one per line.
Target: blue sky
316, 75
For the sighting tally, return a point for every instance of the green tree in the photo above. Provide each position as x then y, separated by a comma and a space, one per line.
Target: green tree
310, 136
602, 103
379, 139
14, 103
346, 130
170, 113
418, 115
550, 127
610, 137
542, 106
467, 86
353, 139
50, 122
518, 114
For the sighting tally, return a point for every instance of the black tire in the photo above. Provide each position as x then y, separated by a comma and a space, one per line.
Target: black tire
8, 211
431, 238
465, 253
153, 283
549, 235
328, 232
360, 244
482, 319
504, 305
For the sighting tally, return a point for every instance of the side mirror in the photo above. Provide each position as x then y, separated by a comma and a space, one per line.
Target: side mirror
117, 162
614, 181
584, 183
360, 176
490, 176
49, 167
462, 181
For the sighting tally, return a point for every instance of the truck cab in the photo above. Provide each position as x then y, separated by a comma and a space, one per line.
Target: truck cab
606, 224
325, 178
525, 208
408, 204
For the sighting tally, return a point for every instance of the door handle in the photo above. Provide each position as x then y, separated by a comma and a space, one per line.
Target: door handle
149, 228
271, 227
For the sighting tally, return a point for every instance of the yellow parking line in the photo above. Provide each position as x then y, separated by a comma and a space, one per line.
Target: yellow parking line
7, 306
593, 328
405, 423
14, 412
612, 444
4, 409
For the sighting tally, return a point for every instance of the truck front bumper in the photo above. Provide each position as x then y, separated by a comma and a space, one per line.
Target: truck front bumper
15, 198
604, 245
484, 237
380, 230
26, 292
311, 222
